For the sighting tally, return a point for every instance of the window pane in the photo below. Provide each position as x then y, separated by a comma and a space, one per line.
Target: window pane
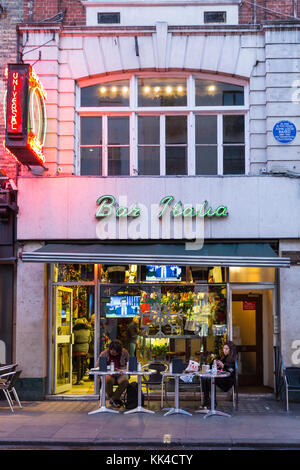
233, 130
206, 160
106, 94
91, 131
176, 130
149, 161
162, 92
176, 161
118, 161
148, 130
206, 129
234, 160
91, 161
118, 130
211, 93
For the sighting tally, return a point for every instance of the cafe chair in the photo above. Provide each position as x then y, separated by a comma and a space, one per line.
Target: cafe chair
291, 377
8, 381
154, 381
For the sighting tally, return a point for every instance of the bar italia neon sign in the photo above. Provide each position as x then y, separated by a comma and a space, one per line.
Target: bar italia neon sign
108, 205
25, 115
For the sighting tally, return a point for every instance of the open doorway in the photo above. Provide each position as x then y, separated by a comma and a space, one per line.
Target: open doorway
253, 334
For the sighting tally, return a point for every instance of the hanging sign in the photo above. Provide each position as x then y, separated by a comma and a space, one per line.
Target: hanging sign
284, 131
249, 305
25, 115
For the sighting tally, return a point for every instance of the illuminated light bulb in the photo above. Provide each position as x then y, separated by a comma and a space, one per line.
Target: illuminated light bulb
211, 88
180, 89
169, 89
114, 89
146, 89
102, 90
157, 89
125, 89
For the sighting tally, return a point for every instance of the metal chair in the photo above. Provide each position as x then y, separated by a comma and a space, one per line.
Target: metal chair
291, 377
154, 381
7, 384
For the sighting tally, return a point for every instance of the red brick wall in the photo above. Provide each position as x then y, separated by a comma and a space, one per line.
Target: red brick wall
35, 10
8, 37
263, 13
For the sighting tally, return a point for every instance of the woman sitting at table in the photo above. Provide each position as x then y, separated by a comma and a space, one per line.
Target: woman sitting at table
119, 356
225, 363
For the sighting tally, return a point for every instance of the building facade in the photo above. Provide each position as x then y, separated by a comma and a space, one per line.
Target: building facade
170, 185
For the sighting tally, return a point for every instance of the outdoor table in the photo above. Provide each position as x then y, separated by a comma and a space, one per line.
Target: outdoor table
176, 408
212, 378
139, 408
102, 408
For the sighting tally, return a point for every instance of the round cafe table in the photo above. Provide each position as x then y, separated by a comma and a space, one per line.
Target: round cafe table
213, 377
139, 408
102, 408
176, 408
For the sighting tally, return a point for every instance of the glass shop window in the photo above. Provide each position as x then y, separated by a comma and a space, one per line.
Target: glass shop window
176, 145
148, 145
73, 272
162, 92
233, 145
206, 145
106, 94
212, 93
91, 145
118, 145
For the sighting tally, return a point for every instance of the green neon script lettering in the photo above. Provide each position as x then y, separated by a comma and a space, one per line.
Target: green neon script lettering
166, 201
105, 208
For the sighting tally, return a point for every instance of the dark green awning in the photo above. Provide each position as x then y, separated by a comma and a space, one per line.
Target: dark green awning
211, 254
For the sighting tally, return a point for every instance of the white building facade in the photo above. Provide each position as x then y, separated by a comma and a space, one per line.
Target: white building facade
150, 100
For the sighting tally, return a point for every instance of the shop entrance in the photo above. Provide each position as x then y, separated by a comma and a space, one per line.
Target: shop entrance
247, 326
63, 339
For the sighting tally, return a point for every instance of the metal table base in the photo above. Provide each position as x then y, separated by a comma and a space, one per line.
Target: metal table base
213, 411
176, 409
139, 408
102, 408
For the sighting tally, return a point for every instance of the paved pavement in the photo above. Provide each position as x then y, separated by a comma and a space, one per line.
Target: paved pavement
259, 422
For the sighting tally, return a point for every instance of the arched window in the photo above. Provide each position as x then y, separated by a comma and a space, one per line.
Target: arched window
162, 125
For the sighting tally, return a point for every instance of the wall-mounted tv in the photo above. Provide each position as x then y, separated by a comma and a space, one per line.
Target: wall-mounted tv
163, 273
123, 306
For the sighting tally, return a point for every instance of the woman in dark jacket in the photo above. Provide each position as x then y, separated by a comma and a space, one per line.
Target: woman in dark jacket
225, 363
82, 339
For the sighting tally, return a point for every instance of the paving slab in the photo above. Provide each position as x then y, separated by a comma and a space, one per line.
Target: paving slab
257, 422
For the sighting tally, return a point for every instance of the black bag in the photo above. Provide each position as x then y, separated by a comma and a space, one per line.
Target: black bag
131, 398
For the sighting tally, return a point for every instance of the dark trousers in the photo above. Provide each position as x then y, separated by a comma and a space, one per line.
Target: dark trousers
225, 385
122, 383
80, 365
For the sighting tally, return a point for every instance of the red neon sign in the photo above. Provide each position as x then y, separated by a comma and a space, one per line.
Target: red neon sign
36, 147
15, 116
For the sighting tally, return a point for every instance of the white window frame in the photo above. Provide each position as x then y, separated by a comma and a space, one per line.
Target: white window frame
191, 110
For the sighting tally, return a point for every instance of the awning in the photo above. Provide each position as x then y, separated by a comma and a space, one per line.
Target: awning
211, 254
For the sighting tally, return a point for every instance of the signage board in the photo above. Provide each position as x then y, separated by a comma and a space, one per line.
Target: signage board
284, 131
25, 114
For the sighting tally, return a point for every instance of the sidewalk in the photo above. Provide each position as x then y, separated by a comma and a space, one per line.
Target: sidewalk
259, 422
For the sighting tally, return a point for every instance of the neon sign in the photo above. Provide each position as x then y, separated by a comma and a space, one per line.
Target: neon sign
25, 115
108, 205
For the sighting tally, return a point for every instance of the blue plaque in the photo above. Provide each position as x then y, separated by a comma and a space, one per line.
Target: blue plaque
284, 131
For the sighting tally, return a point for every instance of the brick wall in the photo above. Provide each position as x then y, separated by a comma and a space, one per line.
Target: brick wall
263, 13
8, 37
35, 10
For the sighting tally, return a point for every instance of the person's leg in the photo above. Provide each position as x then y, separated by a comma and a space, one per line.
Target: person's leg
206, 389
132, 348
109, 385
122, 384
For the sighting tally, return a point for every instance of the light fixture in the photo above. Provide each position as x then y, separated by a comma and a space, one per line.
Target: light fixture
146, 89
157, 89
211, 88
114, 89
169, 89
180, 89
125, 89
102, 90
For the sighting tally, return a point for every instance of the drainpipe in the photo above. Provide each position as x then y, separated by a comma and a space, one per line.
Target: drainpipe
295, 8
254, 12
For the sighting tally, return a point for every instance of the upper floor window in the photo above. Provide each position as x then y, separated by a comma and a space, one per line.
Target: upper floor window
162, 126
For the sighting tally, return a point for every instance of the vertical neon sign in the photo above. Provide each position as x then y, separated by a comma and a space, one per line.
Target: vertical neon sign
15, 100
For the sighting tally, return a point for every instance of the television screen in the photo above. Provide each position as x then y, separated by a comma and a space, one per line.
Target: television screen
123, 306
163, 273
